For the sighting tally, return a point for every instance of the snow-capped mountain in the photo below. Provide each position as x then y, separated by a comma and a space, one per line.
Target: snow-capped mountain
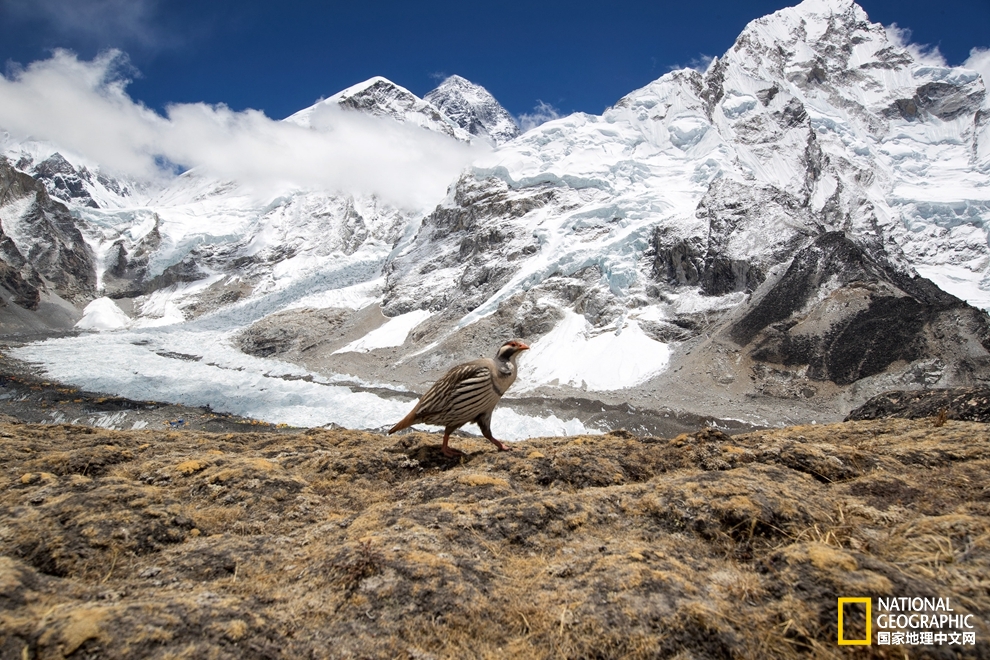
174, 253
380, 97
813, 121
673, 251
474, 109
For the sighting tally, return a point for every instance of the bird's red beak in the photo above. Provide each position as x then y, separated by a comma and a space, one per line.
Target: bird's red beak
521, 346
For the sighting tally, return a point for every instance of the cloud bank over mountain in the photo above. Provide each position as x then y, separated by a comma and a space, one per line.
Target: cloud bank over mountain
83, 106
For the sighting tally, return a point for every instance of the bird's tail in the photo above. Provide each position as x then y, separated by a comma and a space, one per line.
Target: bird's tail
404, 423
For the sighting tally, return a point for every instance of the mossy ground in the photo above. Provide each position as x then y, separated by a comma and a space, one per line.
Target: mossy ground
345, 544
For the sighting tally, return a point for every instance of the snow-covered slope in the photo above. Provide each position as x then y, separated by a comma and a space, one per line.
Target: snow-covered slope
637, 239
474, 109
813, 121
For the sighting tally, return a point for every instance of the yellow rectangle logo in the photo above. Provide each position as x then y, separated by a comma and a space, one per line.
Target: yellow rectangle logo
869, 621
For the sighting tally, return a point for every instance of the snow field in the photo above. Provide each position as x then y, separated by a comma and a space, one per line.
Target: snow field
570, 355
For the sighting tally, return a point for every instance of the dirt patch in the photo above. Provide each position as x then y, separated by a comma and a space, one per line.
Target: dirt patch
346, 544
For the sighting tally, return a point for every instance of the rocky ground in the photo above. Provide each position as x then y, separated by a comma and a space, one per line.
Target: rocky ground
163, 543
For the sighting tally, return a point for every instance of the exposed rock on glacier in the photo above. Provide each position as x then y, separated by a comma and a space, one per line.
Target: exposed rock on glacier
294, 331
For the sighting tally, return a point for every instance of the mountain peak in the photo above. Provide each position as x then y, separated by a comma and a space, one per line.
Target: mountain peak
810, 22
380, 97
456, 80
474, 109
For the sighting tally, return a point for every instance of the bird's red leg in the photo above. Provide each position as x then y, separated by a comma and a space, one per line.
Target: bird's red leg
486, 431
449, 451
501, 446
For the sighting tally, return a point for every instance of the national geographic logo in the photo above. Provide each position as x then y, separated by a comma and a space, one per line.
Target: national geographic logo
866, 640
903, 621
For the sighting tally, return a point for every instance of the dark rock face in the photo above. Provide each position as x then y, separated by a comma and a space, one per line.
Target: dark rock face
711, 261
847, 314
943, 100
25, 293
50, 254
970, 404
711, 90
63, 180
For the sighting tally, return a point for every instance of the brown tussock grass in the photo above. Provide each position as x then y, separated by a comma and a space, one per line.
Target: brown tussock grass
347, 544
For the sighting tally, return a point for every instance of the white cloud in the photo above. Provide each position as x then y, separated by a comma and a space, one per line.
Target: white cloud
542, 113
699, 63
922, 52
979, 60
83, 107
99, 21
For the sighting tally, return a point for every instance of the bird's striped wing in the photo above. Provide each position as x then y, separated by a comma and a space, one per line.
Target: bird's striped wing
464, 392
457, 382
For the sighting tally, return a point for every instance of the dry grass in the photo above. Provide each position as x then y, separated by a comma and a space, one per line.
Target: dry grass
352, 545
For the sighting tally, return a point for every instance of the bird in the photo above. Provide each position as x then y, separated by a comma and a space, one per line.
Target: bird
467, 393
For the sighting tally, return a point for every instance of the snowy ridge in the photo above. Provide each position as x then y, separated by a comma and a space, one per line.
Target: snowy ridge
68, 177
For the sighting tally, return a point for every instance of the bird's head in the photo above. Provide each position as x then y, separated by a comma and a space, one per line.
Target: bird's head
510, 349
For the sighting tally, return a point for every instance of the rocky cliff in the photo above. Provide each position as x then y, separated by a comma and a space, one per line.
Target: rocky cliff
44, 259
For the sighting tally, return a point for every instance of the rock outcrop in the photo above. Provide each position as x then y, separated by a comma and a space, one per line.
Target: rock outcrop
845, 314
963, 403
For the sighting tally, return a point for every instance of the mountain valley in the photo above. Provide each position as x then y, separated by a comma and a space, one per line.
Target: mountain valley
773, 240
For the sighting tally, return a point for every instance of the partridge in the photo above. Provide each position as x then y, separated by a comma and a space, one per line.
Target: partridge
467, 393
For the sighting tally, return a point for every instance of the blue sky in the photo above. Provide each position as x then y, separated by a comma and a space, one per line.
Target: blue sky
279, 57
